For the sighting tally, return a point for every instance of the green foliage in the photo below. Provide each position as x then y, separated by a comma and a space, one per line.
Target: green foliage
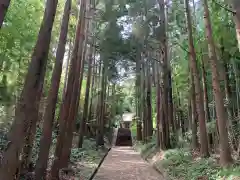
88, 152
180, 164
36, 144
17, 39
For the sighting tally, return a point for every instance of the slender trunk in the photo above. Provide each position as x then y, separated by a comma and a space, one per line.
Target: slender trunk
138, 96
205, 100
158, 106
170, 101
163, 134
165, 85
144, 112
228, 95
4, 4
73, 74
198, 88
194, 115
237, 85
86, 101
236, 6
149, 103
225, 153
76, 94
100, 128
46, 139
227, 88
27, 104
92, 95
66, 71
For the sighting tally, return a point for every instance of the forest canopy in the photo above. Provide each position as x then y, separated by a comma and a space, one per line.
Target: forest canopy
70, 69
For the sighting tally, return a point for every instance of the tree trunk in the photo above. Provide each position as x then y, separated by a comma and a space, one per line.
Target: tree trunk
236, 6
138, 96
205, 100
4, 4
158, 105
100, 124
198, 89
149, 103
76, 95
27, 104
165, 95
228, 95
46, 139
72, 90
225, 153
144, 104
92, 90
31, 132
170, 101
194, 115
86, 101
66, 71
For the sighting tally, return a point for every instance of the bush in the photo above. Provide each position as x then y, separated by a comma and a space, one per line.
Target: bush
180, 164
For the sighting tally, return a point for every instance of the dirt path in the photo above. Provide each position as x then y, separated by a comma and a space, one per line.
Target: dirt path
123, 163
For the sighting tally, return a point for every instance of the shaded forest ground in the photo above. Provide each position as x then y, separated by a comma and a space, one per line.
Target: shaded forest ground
83, 161
184, 164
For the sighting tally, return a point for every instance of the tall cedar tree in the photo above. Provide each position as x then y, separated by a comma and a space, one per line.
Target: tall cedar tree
149, 102
198, 88
205, 98
163, 42
46, 138
225, 153
86, 100
73, 75
158, 100
138, 96
82, 54
27, 103
193, 114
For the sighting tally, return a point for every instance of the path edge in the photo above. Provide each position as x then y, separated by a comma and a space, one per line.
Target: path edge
100, 163
153, 165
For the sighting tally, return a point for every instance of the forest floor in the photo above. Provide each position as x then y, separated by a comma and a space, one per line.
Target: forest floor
123, 163
83, 161
184, 164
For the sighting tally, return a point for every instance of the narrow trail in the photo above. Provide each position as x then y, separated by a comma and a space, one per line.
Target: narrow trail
123, 163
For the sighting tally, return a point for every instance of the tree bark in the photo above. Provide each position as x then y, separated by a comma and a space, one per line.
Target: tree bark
149, 103
170, 102
100, 124
31, 132
236, 6
27, 104
46, 139
158, 106
205, 100
66, 71
86, 101
73, 74
225, 153
4, 4
198, 88
138, 96
194, 115
76, 94
165, 85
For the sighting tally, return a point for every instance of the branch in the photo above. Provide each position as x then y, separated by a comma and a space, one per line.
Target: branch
224, 7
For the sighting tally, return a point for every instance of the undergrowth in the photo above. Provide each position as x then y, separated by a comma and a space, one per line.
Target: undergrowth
179, 164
